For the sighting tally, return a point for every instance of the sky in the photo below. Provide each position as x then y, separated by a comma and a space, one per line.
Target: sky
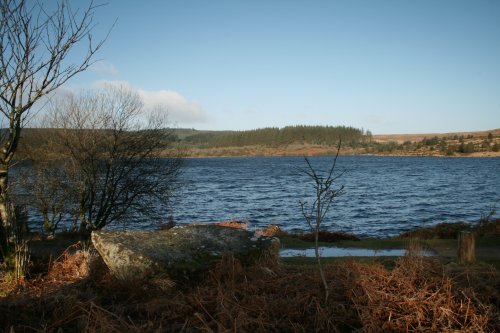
390, 67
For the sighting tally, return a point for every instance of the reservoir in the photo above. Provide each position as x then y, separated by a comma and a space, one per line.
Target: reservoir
384, 195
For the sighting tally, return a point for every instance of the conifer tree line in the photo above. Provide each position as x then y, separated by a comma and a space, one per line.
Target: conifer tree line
272, 136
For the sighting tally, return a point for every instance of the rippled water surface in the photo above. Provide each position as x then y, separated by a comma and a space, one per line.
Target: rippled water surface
383, 195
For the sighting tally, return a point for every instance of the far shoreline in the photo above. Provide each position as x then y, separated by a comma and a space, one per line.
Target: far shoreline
464, 144
325, 153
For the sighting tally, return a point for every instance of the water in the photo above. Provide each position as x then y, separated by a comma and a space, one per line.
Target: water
347, 252
383, 195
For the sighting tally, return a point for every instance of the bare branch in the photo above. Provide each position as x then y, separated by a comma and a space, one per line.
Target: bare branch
34, 47
325, 194
109, 156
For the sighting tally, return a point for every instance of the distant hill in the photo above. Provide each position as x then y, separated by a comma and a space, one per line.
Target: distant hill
309, 140
400, 138
320, 140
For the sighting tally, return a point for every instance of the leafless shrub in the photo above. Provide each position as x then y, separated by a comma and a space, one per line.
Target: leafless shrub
101, 161
314, 214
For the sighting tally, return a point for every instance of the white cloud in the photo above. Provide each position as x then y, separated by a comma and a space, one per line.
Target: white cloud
104, 67
179, 109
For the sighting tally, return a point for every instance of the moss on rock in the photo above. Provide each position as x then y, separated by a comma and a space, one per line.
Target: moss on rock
179, 252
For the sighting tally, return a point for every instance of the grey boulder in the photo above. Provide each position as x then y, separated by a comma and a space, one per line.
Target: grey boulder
180, 252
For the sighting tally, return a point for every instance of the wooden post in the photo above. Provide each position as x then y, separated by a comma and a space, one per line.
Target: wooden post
466, 248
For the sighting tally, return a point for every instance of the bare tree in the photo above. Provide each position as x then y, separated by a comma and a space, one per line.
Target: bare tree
110, 153
45, 181
34, 47
314, 213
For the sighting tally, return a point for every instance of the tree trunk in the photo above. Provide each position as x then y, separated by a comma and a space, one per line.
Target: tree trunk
320, 267
4, 214
316, 249
466, 248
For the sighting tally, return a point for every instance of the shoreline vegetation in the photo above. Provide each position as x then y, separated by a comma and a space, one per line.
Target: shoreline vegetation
322, 140
72, 290
309, 141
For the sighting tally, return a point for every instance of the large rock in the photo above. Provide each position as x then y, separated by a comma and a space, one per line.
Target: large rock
179, 252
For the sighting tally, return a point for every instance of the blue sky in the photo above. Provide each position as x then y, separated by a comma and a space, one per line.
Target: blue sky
389, 66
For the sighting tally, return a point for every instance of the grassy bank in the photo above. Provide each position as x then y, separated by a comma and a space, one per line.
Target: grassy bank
441, 239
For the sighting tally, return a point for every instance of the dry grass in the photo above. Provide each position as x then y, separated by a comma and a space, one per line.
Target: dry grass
419, 294
400, 138
443, 230
489, 227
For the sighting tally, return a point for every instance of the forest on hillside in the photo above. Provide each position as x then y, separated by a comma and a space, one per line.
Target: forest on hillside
320, 140
273, 136
292, 140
